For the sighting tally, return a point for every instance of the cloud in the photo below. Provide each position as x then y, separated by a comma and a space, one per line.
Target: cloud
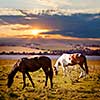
20, 27
49, 3
10, 11
55, 4
2, 22
76, 25
89, 4
12, 30
33, 13
15, 26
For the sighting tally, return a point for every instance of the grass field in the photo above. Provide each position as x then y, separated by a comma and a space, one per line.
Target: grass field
86, 89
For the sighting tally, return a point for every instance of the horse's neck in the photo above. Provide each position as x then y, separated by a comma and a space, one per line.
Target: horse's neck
63, 60
13, 72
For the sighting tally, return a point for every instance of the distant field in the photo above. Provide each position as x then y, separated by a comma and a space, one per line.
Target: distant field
18, 49
26, 49
51, 47
86, 89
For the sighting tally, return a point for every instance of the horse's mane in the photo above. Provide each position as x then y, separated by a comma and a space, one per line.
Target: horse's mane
25, 58
34, 58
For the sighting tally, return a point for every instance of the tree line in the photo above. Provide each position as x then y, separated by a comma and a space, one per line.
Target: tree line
55, 52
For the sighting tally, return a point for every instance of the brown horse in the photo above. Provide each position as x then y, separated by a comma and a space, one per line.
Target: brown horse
26, 65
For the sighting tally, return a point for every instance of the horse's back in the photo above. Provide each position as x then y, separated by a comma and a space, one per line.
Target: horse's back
65, 58
29, 64
45, 61
70, 58
35, 63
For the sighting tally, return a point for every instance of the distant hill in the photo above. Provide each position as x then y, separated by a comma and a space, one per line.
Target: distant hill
19, 49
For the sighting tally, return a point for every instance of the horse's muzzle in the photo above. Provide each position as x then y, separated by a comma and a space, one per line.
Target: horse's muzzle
56, 72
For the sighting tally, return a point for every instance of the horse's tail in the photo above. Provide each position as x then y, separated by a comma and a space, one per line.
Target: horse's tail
86, 67
51, 69
12, 74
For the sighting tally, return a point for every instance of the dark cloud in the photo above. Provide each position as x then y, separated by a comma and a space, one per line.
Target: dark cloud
75, 25
2, 22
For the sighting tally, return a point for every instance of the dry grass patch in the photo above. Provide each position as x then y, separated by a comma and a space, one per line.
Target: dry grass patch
86, 89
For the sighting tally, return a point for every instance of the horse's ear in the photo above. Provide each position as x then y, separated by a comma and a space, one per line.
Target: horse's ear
18, 62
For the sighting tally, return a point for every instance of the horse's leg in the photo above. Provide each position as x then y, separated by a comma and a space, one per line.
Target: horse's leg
24, 81
64, 69
82, 74
51, 77
51, 81
46, 79
45, 69
30, 79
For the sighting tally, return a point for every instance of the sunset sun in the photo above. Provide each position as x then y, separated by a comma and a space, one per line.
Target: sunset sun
36, 32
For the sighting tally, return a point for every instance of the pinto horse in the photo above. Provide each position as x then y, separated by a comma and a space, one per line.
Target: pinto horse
68, 60
26, 65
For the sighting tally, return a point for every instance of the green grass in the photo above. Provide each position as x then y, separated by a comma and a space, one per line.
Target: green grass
86, 89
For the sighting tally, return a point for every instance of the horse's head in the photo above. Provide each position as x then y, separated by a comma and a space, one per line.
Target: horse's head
12, 74
55, 71
10, 80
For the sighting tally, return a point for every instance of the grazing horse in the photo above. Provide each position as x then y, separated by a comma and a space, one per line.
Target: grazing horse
26, 65
68, 60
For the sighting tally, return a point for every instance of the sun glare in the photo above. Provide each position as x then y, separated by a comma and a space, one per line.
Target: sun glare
37, 31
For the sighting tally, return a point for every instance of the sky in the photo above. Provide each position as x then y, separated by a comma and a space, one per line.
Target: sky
45, 4
18, 19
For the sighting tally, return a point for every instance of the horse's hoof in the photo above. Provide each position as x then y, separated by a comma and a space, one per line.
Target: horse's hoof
45, 87
51, 87
33, 86
76, 80
23, 88
65, 82
72, 82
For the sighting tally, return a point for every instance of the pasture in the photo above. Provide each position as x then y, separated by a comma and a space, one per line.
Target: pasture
86, 89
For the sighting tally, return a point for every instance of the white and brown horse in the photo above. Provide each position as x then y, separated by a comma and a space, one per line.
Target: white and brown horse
68, 60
